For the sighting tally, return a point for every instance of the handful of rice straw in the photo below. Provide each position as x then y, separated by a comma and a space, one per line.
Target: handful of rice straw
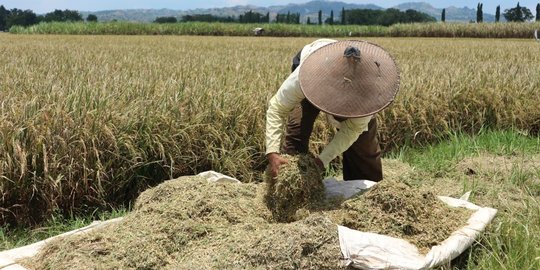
298, 184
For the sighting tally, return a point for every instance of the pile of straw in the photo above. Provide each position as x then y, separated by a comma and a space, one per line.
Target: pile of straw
396, 209
188, 223
299, 184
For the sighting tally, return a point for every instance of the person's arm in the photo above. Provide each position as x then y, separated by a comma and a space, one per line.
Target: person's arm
287, 97
282, 103
348, 133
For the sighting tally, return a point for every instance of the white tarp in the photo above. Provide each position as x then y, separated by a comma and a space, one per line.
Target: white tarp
346, 189
365, 250
215, 177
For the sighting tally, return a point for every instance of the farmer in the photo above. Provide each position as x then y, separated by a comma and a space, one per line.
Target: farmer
350, 81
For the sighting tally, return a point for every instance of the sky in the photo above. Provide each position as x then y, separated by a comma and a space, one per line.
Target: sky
44, 6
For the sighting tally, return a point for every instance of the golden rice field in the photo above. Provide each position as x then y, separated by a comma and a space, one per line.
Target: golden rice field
93, 120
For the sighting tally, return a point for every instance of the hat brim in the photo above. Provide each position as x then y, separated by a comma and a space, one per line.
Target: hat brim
347, 87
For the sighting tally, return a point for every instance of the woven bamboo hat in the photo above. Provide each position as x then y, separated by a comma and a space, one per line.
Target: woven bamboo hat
349, 78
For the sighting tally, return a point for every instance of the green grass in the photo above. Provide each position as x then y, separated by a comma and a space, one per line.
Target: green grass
439, 157
55, 225
512, 241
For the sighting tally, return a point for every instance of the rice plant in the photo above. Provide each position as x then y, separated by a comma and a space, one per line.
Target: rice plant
91, 121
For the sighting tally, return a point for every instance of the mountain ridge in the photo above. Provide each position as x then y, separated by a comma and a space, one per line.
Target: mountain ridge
308, 9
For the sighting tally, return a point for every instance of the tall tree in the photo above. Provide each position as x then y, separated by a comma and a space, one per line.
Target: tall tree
308, 21
498, 14
518, 14
169, 19
21, 17
320, 17
386, 17
343, 15
4, 13
332, 16
479, 13
443, 15
519, 11
91, 18
538, 12
63, 16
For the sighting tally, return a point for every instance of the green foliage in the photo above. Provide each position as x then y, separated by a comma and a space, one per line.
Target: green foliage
4, 13
385, 17
441, 156
288, 18
538, 12
518, 14
498, 14
91, 18
18, 17
63, 16
247, 17
206, 18
54, 225
254, 17
486, 30
330, 20
479, 13
165, 20
443, 15
473, 30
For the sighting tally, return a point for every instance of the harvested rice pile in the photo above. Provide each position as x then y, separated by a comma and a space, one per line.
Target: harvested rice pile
191, 224
298, 184
396, 209
311, 243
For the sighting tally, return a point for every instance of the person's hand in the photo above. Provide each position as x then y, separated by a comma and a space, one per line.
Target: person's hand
274, 162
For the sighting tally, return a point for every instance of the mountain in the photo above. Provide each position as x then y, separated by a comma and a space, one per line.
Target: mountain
325, 6
310, 9
456, 14
307, 9
149, 15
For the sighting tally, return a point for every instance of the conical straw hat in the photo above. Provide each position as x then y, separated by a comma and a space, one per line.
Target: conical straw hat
349, 78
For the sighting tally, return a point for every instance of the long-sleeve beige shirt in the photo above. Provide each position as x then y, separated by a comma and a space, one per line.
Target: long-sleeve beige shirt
289, 96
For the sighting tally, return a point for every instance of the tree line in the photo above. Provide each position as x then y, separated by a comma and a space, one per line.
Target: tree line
247, 17
516, 14
353, 16
15, 16
385, 17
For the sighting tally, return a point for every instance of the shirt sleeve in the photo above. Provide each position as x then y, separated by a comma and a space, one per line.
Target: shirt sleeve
348, 133
288, 96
